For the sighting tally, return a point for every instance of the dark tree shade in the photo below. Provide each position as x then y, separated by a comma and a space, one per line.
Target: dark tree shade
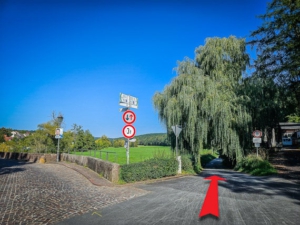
278, 44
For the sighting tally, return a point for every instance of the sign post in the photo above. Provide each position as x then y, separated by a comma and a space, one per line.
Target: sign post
129, 118
58, 136
257, 139
177, 129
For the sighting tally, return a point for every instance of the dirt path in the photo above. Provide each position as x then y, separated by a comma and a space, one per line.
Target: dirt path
287, 163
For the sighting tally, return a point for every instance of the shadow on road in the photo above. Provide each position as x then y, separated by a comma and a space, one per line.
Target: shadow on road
11, 166
271, 186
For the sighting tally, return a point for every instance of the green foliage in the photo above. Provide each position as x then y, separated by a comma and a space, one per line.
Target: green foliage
154, 139
206, 158
103, 142
4, 131
294, 118
187, 163
79, 138
40, 141
278, 46
89, 142
255, 166
66, 142
134, 144
119, 143
149, 169
204, 97
4, 147
268, 103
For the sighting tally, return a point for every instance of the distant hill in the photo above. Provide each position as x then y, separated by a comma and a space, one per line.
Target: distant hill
149, 139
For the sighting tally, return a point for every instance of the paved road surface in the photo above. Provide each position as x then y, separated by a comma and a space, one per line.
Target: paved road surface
215, 164
32, 193
243, 200
55, 194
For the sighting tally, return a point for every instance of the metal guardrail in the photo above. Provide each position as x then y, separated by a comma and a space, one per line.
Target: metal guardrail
95, 153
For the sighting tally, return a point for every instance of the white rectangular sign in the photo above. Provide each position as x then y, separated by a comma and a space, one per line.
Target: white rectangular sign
256, 140
128, 101
59, 133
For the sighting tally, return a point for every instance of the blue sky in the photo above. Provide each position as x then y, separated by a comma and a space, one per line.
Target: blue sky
75, 57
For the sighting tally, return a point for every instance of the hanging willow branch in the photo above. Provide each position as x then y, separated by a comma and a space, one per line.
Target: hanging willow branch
203, 96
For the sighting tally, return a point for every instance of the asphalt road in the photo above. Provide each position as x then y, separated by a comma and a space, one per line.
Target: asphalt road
243, 199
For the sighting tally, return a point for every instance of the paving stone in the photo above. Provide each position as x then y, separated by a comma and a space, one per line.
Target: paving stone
32, 193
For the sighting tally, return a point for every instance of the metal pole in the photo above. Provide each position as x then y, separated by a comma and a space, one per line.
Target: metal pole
127, 153
257, 151
176, 142
57, 159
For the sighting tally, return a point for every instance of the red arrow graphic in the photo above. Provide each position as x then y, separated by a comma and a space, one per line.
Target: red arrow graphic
211, 201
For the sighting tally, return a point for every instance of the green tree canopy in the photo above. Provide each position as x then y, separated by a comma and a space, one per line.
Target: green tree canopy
103, 142
278, 45
204, 97
119, 143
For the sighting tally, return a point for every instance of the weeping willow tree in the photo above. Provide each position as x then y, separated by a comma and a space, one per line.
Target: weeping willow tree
204, 97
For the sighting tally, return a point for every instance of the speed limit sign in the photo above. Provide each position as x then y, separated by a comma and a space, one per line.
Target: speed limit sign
128, 131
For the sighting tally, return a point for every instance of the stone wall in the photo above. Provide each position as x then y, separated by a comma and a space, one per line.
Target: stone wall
108, 170
30, 157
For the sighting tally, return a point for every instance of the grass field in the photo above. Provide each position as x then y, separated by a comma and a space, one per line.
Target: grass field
139, 154
136, 154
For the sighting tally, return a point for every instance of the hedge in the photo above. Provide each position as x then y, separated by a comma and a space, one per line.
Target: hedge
149, 169
255, 166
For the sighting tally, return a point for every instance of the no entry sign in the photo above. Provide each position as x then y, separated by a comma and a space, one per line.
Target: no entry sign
129, 117
128, 131
257, 134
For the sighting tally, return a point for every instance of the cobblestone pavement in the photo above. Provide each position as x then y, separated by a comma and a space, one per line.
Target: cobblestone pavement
32, 193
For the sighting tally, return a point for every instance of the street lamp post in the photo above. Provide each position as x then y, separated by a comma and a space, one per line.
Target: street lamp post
59, 120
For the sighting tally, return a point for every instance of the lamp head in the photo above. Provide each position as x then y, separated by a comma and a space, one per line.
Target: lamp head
60, 119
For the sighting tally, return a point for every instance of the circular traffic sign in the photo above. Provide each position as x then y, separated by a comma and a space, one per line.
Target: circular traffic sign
257, 133
128, 131
129, 117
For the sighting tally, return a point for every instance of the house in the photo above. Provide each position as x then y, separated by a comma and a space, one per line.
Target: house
16, 134
290, 133
7, 138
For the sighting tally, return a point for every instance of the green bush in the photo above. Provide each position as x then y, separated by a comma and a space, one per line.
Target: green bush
255, 166
149, 169
186, 163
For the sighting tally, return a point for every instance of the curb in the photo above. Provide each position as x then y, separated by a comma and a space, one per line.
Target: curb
154, 180
87, 177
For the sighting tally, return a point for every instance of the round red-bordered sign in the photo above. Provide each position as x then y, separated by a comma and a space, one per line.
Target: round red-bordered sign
257, 133
128, 131
129, 117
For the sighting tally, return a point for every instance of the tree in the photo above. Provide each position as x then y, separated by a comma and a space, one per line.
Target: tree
79, 142
103, 142
204, 98
40, 141
278, 45
4, 131
293, 118
119, 143
268, 104
89, 141
4, 147
66, 143
134, 144
75, 130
